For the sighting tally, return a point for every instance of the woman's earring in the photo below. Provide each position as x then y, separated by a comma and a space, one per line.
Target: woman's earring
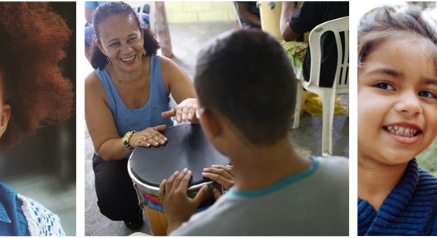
107, 58
144, 51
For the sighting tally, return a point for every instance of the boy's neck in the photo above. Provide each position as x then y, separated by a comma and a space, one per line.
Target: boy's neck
266, 165
376, 181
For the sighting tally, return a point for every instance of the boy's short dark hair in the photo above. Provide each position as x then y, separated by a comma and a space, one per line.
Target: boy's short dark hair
246, 76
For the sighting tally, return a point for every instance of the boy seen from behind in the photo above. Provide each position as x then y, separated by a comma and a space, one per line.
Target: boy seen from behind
246, 90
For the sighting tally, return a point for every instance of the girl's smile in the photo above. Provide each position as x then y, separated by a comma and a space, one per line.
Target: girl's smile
404, 132
397, 101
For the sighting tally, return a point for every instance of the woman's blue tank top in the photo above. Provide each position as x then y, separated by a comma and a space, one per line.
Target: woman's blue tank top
149, 115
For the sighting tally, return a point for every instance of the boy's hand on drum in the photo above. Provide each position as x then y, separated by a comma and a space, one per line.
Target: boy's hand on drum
178, 207
224, 175
149, 137
184, 111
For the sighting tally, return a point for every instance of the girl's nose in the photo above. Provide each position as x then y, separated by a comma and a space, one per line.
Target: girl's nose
409, 104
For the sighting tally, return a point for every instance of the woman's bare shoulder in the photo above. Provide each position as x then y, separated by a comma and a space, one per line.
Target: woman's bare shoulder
168, 64
92, 80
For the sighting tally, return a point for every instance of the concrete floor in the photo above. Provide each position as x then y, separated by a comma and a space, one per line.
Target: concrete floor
186, 42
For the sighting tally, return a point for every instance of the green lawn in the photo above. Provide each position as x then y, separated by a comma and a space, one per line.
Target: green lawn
427, 160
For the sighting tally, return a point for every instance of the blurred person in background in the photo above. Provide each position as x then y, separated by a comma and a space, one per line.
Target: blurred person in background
248, 12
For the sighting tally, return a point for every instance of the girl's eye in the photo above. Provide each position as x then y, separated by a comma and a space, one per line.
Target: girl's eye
385, 86
427, 94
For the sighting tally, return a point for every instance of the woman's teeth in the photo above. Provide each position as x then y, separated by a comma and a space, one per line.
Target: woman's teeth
399, 130
128, 59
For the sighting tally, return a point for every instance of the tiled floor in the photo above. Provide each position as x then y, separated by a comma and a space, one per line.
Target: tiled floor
186, 41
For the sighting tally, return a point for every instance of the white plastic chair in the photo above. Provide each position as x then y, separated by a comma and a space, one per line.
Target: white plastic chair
340, 85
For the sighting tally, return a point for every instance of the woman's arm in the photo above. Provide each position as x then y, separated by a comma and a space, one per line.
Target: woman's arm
102, 129
181, 88
101, 126
100, 122
246, 15
287, 11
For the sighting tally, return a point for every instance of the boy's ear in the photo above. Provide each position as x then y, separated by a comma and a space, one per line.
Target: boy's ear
6, 114
211, 123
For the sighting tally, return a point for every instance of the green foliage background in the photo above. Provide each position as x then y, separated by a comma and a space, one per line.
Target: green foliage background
427, 160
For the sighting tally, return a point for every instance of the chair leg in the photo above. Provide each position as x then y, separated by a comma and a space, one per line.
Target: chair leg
328, 100
297, 108
347, 104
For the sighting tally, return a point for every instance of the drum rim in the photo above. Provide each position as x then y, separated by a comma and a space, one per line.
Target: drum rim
155, 190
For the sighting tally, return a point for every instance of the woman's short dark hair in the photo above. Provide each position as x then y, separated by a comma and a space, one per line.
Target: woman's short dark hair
385, 23
32, 44
151, 45
247, 77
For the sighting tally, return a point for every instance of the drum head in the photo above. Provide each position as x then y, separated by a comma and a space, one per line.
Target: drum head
187, 147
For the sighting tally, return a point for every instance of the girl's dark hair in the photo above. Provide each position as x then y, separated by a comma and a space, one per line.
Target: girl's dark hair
32, 44
384, 23
151, 45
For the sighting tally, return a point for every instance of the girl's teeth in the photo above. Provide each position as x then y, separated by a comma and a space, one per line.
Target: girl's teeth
402, 131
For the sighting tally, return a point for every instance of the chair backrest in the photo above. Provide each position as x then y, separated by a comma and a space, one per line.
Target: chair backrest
341, 80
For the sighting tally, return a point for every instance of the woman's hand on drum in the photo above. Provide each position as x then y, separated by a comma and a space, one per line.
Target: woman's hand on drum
224, 175
184, 111
178, 207
149, 137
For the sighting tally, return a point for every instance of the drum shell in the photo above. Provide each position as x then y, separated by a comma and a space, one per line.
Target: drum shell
270, 17
187, 147
149, 195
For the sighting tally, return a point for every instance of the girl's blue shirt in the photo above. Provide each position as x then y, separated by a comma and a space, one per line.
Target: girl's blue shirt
12, 219
409, 209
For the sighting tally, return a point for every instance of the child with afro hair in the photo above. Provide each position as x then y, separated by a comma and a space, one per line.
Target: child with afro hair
33, 93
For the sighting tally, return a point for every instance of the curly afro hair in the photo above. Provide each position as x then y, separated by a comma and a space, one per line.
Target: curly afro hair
32, 45
151, 45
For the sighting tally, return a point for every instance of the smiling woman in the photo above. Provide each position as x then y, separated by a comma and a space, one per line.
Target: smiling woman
127, 104
397, 111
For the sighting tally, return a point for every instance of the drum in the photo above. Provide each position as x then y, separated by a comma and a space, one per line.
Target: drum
187, 147
270, 16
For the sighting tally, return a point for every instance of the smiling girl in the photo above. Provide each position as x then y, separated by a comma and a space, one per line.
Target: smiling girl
397, 120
